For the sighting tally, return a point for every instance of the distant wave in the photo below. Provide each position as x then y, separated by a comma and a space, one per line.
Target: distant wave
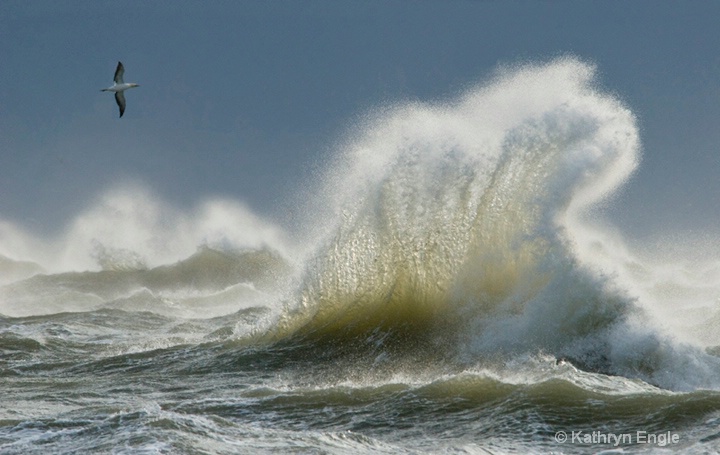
210, 282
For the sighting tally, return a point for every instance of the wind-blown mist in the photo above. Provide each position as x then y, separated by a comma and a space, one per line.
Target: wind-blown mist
458, 263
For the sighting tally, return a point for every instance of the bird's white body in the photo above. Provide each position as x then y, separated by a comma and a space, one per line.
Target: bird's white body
119, 87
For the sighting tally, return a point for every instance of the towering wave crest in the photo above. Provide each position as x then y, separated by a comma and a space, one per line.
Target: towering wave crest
461, 233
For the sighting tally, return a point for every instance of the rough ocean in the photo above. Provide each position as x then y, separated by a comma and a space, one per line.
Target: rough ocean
452, 288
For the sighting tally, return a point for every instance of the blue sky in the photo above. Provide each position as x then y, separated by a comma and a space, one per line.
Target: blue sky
246, 99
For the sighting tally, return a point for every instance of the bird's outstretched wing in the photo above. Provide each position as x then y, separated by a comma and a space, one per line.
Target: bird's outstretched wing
119, 71
120, 100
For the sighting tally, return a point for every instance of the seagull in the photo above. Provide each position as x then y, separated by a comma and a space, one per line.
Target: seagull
119, 87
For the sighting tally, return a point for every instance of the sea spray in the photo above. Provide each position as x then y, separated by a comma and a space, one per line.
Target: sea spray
458, 228
128, 222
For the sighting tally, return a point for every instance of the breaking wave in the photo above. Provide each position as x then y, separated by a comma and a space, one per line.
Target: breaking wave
464, 232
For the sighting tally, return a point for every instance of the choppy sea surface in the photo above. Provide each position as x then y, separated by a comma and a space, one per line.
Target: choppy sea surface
452, 289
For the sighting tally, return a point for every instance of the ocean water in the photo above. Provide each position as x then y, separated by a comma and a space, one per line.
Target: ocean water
452, 288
